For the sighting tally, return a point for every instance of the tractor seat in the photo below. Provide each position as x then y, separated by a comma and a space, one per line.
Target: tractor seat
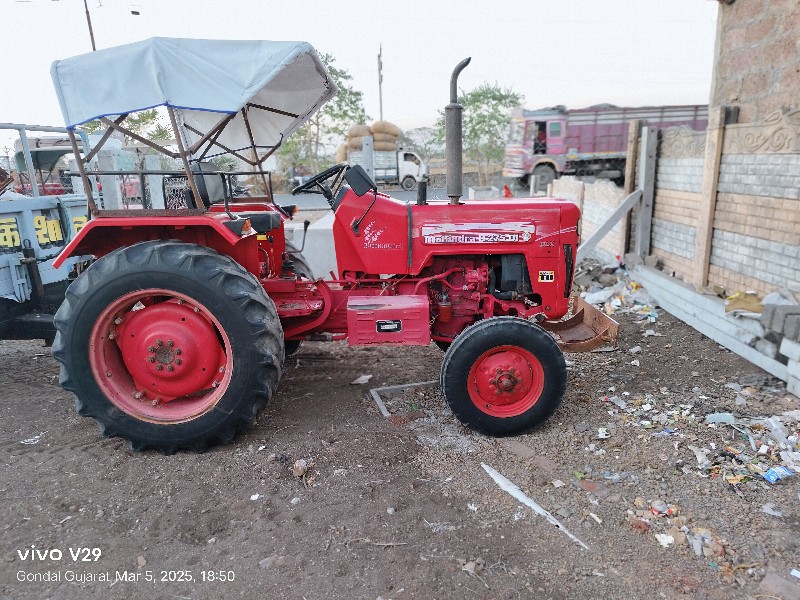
211, 184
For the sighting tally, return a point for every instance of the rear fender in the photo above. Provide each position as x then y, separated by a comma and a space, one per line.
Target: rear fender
102, 235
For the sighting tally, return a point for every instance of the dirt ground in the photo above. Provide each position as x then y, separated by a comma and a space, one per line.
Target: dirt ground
401, 507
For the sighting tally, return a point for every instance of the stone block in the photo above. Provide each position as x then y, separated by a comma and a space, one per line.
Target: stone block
483, 193
632, 259
791, 327
793, 386
790, 349
793, 368
775, 586
652, 261
768, 314
778, 321
767, 348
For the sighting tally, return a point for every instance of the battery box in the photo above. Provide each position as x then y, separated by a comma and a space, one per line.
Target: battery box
388, 320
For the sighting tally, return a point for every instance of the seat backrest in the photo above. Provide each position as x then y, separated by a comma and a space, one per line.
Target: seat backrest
210, 182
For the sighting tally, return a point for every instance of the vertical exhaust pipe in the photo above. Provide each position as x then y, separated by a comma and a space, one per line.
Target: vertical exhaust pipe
453, 113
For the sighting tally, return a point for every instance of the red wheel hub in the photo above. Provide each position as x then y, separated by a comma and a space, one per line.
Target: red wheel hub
170, 350
160, 356
505, 381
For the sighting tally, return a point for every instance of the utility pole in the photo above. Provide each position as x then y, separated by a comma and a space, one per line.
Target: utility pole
89, 22
380, 80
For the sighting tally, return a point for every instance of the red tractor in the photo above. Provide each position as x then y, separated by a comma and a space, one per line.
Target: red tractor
174, 338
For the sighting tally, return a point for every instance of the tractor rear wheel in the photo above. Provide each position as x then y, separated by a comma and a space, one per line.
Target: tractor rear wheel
503, 376
169, 345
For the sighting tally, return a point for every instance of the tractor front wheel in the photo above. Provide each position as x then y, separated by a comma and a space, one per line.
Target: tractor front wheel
503, 376
169, 345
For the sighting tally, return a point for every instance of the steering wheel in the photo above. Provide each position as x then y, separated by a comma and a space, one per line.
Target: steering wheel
317, 185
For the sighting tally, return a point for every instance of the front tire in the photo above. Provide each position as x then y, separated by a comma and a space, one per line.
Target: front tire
169, 345
503, 376
409, 183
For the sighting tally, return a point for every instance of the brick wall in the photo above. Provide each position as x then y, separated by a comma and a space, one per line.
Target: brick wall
756, 66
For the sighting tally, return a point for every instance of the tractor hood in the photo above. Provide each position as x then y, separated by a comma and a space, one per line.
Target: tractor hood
273, 86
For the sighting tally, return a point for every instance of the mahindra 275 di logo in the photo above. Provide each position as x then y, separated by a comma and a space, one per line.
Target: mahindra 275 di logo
477, 233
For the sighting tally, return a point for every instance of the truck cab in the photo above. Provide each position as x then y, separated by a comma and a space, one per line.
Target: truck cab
410, 168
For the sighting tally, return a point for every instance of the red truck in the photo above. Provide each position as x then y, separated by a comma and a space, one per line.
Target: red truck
554, 141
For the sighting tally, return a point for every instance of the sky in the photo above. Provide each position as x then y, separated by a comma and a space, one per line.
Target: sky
571, 52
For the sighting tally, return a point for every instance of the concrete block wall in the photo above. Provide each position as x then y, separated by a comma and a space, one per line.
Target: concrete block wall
597, 201
756, 57
744, 262
674, 232
757, 215
744, 207
679, 182
770, 175
680, 174
756, 237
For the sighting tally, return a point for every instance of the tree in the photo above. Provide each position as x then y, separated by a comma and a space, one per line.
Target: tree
309, 147
486, 112
146, 123
424, 141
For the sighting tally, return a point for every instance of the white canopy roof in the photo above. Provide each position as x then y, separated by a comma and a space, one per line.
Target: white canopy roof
283, 82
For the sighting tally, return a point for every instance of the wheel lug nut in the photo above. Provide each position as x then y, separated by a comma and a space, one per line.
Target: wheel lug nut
170, 343
155, 402
151, 359
138, 395
178, 351
112, 335
197, 310
159, 343
178, 361
222, 369
151, 348
117, 321
108, 373
170, 368
215, 384
159, 367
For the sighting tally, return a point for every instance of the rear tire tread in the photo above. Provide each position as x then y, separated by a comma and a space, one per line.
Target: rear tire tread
238, 285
